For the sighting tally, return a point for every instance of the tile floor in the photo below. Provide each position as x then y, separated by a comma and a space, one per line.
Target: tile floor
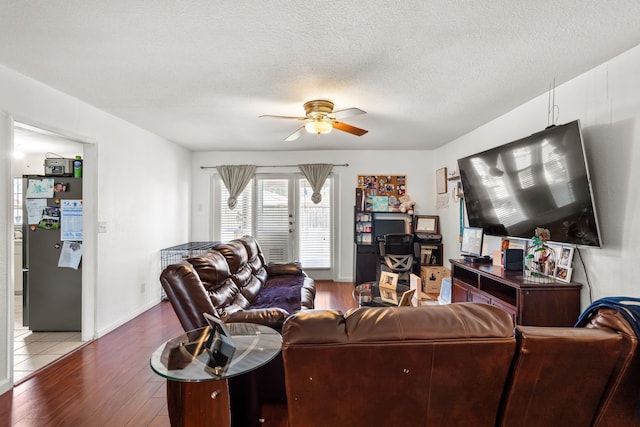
34, 350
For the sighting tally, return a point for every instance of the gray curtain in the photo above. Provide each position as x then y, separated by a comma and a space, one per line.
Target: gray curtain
235, 178
316, 174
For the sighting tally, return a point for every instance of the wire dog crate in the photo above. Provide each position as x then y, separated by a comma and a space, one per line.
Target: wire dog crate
178, 253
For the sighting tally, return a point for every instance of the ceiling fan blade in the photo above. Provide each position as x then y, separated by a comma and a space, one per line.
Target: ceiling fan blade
349, 129
283, 117
340, 114
295, 135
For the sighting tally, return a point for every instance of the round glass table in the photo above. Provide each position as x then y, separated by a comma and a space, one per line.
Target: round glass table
197, 393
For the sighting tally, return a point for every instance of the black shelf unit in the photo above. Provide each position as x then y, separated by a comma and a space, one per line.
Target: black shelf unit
366, 249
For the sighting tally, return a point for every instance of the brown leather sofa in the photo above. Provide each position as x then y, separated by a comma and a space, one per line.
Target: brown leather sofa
457, 365
234, 280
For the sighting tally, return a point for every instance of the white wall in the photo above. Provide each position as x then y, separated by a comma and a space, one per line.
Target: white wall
606, 100
416, 165
135, 182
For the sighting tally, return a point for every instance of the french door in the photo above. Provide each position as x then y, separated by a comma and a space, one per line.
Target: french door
277, 210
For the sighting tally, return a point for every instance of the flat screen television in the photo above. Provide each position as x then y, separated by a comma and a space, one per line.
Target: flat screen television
538, 181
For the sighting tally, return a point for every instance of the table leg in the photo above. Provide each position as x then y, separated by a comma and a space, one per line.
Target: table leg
195, 404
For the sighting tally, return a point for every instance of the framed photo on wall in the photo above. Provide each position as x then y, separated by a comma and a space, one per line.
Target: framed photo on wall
441, 181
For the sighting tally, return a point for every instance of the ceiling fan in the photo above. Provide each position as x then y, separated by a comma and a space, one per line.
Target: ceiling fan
321, 118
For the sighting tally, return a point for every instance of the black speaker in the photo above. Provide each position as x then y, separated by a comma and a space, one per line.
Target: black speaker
512, 259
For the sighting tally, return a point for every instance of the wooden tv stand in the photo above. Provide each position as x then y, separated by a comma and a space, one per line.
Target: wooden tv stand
528, 303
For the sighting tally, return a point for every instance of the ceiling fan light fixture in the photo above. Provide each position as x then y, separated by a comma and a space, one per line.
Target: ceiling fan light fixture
318, 127
320, 118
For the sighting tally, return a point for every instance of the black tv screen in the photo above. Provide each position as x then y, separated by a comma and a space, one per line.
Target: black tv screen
538, 181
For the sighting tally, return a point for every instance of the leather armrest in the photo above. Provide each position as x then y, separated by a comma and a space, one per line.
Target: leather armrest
272, 317
278, 269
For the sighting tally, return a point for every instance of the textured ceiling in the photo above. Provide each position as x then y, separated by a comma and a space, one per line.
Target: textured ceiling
201, 72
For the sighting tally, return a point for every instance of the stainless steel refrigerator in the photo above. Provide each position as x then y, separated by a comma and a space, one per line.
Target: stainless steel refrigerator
52, 295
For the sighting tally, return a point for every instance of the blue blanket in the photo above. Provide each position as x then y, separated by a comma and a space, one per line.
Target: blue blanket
627, 306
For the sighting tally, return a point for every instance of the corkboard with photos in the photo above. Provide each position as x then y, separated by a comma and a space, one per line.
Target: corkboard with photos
382, 192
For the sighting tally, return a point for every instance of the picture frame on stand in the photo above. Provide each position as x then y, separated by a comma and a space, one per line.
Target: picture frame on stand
563, 269
387, 285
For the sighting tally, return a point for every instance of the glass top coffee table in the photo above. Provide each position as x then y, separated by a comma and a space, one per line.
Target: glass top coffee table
368, 294
197, 393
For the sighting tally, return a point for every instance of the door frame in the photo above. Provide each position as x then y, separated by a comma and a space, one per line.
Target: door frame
89, 225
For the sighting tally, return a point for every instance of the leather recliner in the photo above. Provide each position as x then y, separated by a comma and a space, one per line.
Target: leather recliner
457, 364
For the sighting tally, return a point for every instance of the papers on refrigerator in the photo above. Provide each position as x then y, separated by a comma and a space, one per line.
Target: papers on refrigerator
70, 255
71, 220
35, 207
39, 188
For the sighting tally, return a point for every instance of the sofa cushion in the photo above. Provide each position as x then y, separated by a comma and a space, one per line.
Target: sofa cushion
289, 268
235, 253
187, 295
451, 321
251, 288
213, 271
255, 258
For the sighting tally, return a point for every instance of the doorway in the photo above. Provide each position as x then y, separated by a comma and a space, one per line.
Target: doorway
34, 350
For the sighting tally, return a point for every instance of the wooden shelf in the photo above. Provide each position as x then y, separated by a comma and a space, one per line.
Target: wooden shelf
528, 302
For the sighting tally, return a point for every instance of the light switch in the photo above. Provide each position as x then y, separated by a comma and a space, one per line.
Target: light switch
102, 226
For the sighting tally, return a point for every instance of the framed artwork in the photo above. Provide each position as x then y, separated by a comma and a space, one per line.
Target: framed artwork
441, 181
427, 224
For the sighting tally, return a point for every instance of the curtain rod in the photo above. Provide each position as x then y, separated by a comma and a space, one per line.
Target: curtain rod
271, 166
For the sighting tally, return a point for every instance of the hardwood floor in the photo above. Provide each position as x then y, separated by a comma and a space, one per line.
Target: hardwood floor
108, 382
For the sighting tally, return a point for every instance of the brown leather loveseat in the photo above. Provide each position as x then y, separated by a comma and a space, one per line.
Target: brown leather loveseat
233, 279
457, 365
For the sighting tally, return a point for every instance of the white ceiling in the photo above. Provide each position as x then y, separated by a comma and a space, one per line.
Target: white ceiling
32, 140
200, 72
